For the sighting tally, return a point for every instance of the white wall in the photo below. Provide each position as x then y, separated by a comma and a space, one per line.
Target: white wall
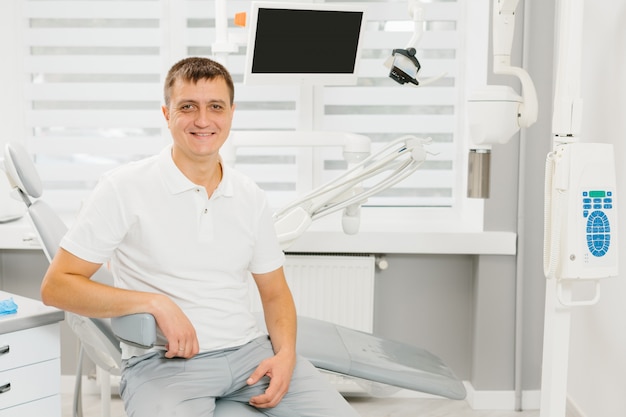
597, 372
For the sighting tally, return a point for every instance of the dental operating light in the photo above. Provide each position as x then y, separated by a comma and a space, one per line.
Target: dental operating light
403, 64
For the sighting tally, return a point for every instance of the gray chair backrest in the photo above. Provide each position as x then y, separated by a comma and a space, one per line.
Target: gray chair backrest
48, 226
21, 170
138, 329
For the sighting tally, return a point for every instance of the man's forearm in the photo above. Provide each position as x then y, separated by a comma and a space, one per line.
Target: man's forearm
281, 324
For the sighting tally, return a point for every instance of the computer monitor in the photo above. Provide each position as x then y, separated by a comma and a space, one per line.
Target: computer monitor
314, 43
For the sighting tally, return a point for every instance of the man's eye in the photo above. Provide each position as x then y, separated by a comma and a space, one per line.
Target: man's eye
186, 107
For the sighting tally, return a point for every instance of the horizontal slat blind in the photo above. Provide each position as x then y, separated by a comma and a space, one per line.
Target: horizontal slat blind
94, 71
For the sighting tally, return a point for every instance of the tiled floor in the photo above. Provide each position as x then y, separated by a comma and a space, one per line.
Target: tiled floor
366, 406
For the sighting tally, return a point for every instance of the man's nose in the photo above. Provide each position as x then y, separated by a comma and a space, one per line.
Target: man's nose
203, 117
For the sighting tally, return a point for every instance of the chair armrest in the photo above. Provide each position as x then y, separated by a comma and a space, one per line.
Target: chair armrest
135, 329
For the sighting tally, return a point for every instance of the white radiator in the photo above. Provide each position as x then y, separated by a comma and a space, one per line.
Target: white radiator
334, 288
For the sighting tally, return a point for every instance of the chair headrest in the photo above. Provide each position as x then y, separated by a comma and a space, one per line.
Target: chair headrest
21, 170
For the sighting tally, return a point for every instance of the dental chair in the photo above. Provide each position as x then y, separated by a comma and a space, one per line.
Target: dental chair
368, 359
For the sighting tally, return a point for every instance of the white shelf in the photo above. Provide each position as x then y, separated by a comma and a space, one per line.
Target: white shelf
19, 235
471, 243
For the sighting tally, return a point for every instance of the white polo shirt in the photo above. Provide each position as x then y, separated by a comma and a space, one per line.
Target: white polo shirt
162, 234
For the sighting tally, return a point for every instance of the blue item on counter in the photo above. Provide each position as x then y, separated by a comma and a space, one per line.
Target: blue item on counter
8, 306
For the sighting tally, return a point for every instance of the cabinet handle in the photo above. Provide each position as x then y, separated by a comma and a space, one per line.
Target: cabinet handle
4, 349
5, 388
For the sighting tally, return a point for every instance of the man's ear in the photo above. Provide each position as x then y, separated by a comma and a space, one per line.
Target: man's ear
166, 113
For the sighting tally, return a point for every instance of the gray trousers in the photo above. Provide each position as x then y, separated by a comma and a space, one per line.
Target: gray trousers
154, 386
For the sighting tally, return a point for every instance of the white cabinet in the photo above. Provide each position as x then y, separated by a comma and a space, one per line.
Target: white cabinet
30, 361
50, 406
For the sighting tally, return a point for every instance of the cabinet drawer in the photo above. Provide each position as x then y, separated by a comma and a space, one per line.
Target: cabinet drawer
25, 347
29, 383
48, 407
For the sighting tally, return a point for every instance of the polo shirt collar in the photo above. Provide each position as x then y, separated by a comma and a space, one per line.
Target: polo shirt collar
178, 183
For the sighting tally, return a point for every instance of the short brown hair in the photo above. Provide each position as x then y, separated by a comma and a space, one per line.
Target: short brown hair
194, 69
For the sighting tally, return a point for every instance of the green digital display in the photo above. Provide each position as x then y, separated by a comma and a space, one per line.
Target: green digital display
597, 194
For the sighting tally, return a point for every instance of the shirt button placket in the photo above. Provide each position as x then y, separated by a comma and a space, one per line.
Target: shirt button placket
206, 224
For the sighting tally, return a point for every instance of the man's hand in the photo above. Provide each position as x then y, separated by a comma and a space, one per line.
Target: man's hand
180, 334
280, 318
279, 369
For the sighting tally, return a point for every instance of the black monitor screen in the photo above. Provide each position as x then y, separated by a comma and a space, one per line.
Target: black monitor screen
294, 41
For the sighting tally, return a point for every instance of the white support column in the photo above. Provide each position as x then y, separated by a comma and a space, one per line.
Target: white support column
556, 341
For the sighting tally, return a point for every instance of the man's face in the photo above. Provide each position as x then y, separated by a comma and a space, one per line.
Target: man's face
199, 118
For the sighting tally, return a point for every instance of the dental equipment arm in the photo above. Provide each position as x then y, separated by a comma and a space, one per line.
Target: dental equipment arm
390, 165
398, 159
497, 112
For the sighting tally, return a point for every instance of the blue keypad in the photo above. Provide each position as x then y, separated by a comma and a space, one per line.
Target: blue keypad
598, 228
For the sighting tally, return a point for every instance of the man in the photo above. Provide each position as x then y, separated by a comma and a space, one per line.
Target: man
181, 232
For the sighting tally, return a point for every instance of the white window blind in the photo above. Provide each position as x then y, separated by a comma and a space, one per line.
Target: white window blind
93, 90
